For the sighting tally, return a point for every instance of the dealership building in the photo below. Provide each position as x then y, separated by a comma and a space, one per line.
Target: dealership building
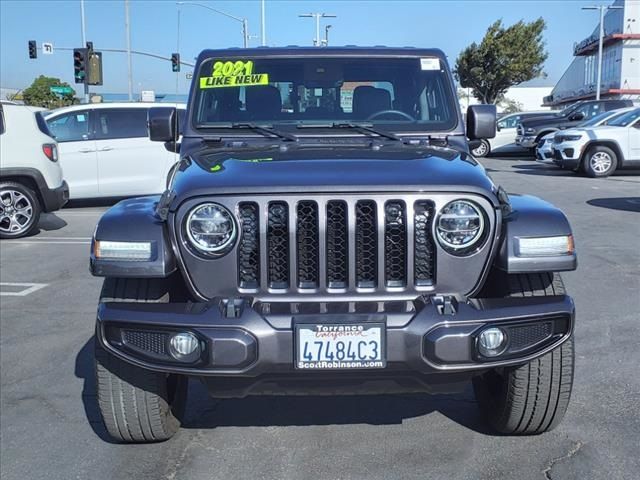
620, 60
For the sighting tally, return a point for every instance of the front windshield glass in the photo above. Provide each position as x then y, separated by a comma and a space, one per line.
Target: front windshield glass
401, 93
594, 121
626, 119
567, 110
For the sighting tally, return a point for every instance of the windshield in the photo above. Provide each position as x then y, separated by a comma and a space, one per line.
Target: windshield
626, 119
401, 93
567, 110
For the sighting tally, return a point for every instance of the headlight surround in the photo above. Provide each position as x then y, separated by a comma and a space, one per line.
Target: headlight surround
530, 130
211, 228
460, 226
570, 138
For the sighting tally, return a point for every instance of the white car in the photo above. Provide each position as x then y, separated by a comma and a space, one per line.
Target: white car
505, 132
105, 150
601, 150
544, 150
31, 180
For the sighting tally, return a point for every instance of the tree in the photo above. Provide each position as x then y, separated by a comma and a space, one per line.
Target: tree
39, 93
509, 105
504, 58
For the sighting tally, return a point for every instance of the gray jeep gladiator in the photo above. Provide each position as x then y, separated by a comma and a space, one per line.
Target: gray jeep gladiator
326, 231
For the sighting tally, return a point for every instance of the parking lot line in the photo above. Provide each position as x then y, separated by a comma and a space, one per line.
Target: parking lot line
29, 288
46, 242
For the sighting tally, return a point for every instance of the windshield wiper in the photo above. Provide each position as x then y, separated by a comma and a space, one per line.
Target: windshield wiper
267, 131
365, 127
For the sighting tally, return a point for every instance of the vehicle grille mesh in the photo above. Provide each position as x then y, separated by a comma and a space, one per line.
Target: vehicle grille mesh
249, 248
278, 245
336, 245
366, 244
153, 342
527, 335
308, 243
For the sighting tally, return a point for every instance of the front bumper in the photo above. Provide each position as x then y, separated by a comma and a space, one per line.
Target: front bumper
568, 154
544, 153
526, 141
251, 346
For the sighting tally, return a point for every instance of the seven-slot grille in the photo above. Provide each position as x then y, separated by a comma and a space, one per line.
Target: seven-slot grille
335, 245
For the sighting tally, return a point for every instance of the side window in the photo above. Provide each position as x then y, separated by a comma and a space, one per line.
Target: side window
509, 122
71, 127
121, 123
590, 110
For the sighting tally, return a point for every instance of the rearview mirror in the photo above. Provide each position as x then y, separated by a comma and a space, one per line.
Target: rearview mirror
481, 121
163, 124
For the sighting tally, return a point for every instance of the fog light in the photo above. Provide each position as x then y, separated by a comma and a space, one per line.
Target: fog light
491, 342
184, 346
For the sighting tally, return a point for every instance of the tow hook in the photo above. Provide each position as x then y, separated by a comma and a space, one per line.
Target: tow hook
445, 304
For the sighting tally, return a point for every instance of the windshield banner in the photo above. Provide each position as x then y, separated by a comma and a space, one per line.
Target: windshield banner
234, 74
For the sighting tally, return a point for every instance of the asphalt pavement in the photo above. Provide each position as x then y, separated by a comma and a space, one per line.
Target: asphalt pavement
50, 427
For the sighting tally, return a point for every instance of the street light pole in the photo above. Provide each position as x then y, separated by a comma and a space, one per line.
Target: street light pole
602, 9
245, 23
317, 42
128, 33
326, 35
263, 30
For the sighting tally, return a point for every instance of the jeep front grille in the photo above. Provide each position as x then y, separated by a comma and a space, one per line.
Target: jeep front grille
335, 245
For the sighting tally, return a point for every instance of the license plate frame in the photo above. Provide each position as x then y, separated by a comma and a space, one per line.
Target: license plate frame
340, 365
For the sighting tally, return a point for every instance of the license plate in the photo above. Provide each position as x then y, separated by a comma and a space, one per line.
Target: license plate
340, 346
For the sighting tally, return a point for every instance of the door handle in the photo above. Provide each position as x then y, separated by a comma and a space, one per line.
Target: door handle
86, 150
106, 149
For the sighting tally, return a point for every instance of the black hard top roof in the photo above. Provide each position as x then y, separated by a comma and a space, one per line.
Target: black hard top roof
297, 51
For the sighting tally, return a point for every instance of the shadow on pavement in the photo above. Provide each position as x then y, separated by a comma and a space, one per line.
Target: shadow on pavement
628, 204
204, 412
541, 169
50, 222
84, 370
93, 202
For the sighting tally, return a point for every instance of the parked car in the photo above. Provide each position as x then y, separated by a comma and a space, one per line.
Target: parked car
31, 180
505, 132
105, 150
347, 243
544, 149
601, 151
530, 131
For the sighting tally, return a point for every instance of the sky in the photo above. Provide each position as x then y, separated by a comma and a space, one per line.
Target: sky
450, 25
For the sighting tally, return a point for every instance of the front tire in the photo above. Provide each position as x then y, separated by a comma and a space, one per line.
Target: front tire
600, 161
19, 210
531, 398
137, 405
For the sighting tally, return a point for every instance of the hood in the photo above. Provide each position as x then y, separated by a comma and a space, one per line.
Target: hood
540, 121
315, 170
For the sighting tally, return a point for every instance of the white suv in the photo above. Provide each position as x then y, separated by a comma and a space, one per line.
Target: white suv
105, 150
30, 175
544, 150
600, 151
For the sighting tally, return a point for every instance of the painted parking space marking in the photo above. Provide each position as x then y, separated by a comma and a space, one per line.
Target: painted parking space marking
48, 241
13, 289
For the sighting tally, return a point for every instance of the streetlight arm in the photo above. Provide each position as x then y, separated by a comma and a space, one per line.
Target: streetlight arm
237, 19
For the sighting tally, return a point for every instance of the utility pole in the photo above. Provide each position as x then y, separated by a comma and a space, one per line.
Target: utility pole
602, 9
317, 42
127, 25
84, 42
263, 30
245, 23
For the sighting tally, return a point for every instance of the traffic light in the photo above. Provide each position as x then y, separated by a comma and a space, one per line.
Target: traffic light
80, 65
33, 49
94, 68
175, 62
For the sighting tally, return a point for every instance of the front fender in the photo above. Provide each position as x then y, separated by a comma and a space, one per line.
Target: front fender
134, 220
532, 217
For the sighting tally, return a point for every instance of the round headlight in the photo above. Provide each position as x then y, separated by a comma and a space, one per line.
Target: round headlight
460, 225
210, 228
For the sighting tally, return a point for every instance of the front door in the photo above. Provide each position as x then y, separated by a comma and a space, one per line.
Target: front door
77, 151
129, 163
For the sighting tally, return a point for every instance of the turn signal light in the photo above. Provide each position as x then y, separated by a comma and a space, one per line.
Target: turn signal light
545, 246
124, 251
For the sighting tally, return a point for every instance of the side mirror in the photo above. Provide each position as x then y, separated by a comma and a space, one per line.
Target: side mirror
576, 117
163, 124
481, 121
498, 127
